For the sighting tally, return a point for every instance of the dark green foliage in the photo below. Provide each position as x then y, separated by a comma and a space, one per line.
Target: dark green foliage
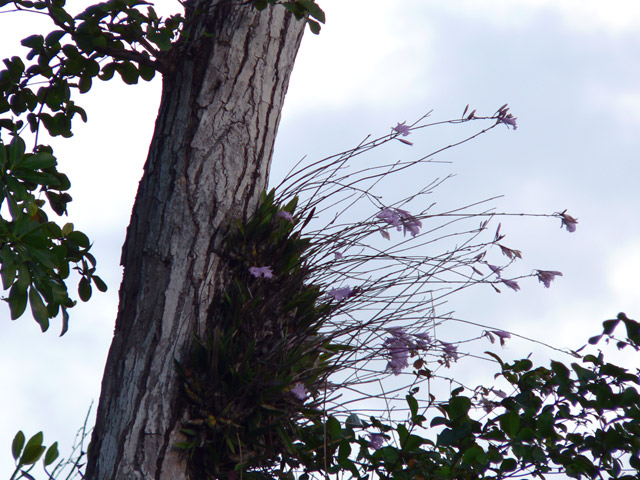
262, 340
583, 421
301, 9
26, 455
123, 37
36, 253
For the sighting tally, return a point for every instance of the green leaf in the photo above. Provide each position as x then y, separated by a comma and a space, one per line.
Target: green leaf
33, 450
314, 10
353, 421
471, 454
17, 301
439, 421
413, 406
3, 155
100, 285
260, 4
510, 423
33, 41
333, 427
85, 82
79, 239
610, 325
314, 26
496, 357
508, 465
403, 433
413, 442
344, 451
16, 151
583, 374
39, 160
17, 444
59, 15
51, 455
459, 406
38, 309
128, 72
107, 71
84, 289
65, 321
9, 268
54, 37
147, 73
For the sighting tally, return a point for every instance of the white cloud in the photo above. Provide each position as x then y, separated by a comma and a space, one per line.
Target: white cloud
611, 17
367, 53
623, 278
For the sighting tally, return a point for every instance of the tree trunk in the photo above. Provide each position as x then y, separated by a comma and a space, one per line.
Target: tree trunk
208, 162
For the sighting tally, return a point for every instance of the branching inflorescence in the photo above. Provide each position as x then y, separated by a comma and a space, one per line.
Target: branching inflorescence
328, 320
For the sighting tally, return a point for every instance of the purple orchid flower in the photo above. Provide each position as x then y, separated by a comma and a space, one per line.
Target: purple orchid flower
398, 346
450, 350
258, 272
376, 440
339, 294
512, 284
401, 219
547, 276
286, 215
402, 129
299, 391
568, 221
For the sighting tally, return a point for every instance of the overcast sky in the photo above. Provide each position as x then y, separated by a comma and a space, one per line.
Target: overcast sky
569, 70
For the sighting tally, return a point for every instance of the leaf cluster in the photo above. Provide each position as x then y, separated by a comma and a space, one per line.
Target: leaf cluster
27, 453
262, 340
301, 9
581, 420
37, 254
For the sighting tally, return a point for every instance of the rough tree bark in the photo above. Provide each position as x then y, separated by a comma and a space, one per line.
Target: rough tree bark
208, 162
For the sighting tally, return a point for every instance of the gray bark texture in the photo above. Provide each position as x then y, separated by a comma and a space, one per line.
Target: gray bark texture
207, 164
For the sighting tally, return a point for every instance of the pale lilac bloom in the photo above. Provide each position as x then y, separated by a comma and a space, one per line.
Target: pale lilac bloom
512, 284
391, 216
258, 272
338, 255
499, 393
286, 215
401, 219
510, 252
402, 129
487, 405
385, 234
505, 117
398, 345
340, 293
568, 221
509, 120
547, 276
450, 350
424, 340
494, 269
299, 391
413, 227
376, 440
502, 335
